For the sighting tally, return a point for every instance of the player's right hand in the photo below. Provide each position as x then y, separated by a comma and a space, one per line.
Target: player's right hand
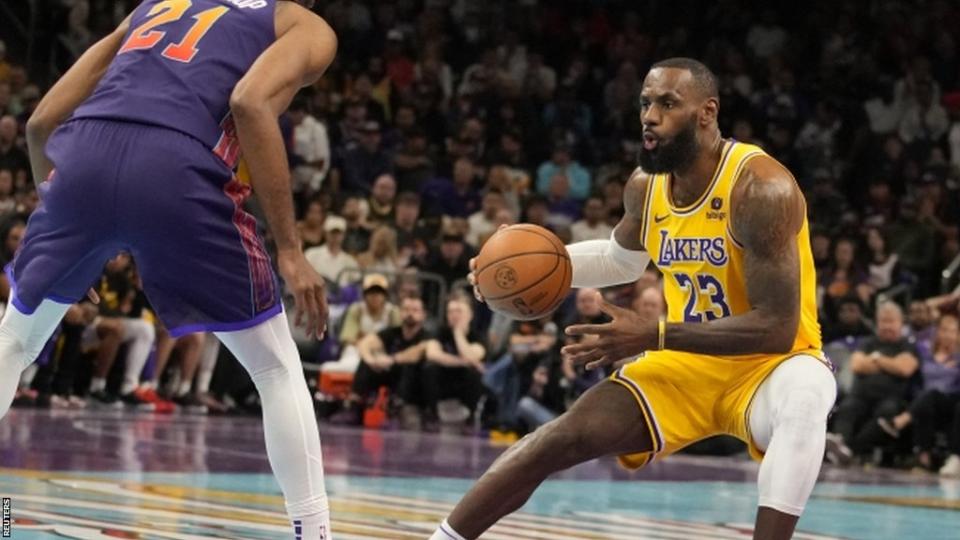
309, 292
472, 278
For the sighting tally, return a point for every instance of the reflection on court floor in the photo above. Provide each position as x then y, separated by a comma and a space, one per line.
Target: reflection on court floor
113, 475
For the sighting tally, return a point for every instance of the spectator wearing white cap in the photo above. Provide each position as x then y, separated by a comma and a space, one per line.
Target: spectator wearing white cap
329, 259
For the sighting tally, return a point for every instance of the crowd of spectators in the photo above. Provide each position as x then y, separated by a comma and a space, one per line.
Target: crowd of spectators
443, 119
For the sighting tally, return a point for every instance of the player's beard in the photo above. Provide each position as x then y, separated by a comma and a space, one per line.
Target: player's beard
677, 154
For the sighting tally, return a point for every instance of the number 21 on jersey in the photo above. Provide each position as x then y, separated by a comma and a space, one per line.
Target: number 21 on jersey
168, 11
698, 286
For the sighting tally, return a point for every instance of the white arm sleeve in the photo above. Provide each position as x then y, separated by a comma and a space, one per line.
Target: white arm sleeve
602, 263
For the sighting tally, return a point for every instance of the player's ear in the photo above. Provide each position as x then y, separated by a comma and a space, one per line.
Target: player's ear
709, 111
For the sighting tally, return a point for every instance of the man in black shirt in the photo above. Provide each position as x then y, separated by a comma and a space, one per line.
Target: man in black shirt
454, 361
389, 358
883, 368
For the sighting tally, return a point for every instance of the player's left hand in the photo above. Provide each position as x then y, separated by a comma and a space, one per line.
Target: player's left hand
628, 334
309, 291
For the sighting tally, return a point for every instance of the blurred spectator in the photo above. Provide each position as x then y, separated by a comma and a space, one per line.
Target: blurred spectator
382, 255
310, 228
650, 303
120, 322
883, 267
360, 165
924, 119
921, 328
451, 261
884, 367
937, 407
329, 259
561, 162
766, 38
529, 344
484, 222
412, 163
593, 226
390, 358
456, 199
371, 314
382, 199
454, 362
356, 237
311, 149
844, 276
12, 157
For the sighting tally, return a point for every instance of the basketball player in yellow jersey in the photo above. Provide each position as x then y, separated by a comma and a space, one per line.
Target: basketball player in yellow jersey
739, 350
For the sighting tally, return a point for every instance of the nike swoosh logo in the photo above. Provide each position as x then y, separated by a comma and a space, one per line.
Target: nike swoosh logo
658, 219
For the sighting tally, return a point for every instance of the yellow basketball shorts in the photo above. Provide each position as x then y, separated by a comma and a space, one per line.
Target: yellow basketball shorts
688, 397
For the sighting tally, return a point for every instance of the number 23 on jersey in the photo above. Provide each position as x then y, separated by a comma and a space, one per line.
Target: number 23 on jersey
697, 287
146, 37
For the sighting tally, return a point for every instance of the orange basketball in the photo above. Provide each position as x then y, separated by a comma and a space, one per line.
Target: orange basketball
524, 272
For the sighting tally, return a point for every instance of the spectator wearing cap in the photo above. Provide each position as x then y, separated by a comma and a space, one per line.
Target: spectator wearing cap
400, 68
561, 162
451, 260
371, 314
329, 259
360, 165
390, 358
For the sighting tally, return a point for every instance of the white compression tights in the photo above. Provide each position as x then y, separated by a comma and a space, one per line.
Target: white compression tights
788, 421
22, 337
269, 354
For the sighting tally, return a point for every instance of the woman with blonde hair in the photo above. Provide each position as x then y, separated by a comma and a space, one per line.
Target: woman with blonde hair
382, 254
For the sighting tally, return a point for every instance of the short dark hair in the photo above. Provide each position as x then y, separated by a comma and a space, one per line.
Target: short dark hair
705, 80
408, 197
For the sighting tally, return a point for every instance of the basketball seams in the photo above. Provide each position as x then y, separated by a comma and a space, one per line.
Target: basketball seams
544, 284
532, 285
508, 257
557, 297
561, 249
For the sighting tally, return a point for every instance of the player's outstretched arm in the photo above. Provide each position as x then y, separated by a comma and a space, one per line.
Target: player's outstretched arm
304, 48
66, 95
768, 212
604, 263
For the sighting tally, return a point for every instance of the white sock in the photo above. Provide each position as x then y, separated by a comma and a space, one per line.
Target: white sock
268, 352
140, 334
22, 337
446, 532
98, 384
184, 389
313, 527
208, 362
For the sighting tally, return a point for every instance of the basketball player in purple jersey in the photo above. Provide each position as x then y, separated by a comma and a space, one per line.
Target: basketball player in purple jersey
144, 133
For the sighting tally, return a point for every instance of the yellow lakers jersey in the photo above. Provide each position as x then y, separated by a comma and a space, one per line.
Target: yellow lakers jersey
702, 262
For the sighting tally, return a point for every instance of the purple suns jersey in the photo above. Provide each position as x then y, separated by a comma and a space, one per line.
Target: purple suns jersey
179, 64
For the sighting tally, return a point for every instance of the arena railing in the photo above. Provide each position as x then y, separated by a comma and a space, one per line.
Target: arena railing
947, 277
